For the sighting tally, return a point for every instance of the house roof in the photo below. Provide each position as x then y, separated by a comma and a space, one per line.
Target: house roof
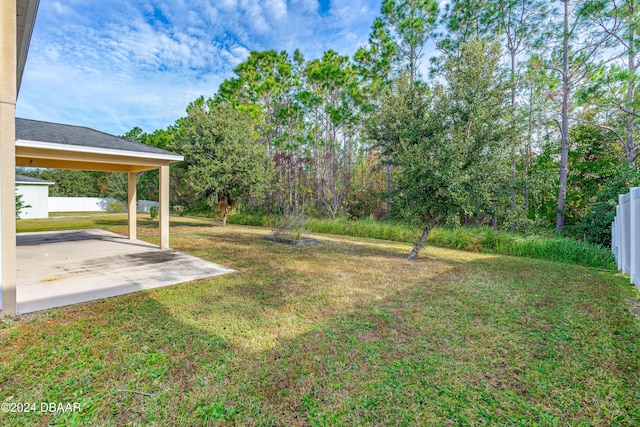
56, 133
23, 179
54, 145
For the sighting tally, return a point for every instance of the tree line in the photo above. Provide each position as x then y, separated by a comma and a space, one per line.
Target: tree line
525, 118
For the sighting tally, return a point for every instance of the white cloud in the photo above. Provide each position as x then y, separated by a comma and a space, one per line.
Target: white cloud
62, 9
124, 63
276, 8
305, 5
255, 17
228, 5
235, 55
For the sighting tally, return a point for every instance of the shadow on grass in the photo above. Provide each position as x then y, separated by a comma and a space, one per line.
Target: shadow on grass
324, 245
150, 222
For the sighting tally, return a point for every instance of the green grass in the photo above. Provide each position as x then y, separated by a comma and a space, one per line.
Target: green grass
345, 332
485, 240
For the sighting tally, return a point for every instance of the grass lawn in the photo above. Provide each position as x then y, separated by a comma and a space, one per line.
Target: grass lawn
345, 332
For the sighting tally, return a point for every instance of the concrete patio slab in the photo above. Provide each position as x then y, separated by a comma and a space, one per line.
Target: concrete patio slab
68, 267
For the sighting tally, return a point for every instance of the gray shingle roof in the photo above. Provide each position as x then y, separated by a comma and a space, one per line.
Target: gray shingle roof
31, 180
35, 130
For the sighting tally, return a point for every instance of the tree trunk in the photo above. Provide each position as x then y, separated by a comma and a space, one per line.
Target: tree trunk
630, 125
225, 214
527, 159
564, 144
422, 240
514, 168
389, 187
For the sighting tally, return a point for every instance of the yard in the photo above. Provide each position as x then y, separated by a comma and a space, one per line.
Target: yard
345, 332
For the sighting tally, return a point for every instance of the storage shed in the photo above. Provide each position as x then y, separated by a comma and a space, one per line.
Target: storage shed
35, 195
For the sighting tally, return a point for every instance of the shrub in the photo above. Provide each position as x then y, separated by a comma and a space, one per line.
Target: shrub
115, 207
153, 212
20, 205
483, 239
289, 227
595, 225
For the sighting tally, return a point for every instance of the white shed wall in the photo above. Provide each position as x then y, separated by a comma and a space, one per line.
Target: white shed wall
37, 196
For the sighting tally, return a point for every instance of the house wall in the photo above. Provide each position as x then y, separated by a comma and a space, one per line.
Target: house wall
36, 196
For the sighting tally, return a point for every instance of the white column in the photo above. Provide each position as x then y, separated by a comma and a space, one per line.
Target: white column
133, 208
8, 95
164, 207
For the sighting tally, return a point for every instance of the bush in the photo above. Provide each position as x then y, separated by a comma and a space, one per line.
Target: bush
289, 227
153, 212
178, 210
595, 226
20, 205
115, 207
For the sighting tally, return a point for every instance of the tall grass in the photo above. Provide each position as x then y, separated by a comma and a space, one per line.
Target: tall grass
487, 240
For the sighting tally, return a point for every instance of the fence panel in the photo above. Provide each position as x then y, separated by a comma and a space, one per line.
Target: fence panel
634, 232
91, 204
144, 206
625, 235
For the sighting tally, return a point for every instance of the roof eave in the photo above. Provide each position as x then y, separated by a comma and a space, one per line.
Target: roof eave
35, 183
170, 158
26, 11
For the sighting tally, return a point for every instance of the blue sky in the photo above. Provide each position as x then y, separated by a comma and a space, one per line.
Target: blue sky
112, 65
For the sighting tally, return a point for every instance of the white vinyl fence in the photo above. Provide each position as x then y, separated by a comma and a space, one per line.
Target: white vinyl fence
91, 204
625, 235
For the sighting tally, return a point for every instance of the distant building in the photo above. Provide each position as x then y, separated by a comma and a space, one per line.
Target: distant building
35, 193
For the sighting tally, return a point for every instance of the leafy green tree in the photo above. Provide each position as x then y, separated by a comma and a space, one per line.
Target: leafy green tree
409, 23
516, 24
147, 182
446, 146
223, 156
374, 61
265, 86
331, 101
464, 20
595, 158
595, 225
375, 65
261, 87
396, 46
616, 88
115, 185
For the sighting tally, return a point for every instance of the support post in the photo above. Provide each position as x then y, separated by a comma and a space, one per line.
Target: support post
133, 206
164, 207
618, 232
8, 96
625, 223
634, 236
